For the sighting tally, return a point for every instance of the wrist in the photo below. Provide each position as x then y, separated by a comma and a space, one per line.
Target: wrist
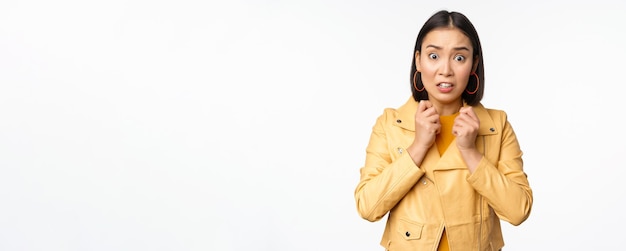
472, 157
417, 153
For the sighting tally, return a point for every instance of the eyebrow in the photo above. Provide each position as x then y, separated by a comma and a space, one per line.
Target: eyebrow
462, 48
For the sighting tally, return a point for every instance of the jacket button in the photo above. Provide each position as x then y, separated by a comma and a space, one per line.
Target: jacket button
407, 234
492, 129
398, 121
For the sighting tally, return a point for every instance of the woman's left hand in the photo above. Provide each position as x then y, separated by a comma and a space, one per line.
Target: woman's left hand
465, 129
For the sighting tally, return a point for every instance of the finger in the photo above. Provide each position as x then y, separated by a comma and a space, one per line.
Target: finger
457, 127
465, 112
469, 111
432, 111
429, 113
462, 119
464, 109
466, 119
437, 128
427, 103
430, 121
457, 130
423, 105
434, 121
461, 124
465, 125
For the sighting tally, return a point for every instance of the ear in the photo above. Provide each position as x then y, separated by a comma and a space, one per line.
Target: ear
417, 61
475, 66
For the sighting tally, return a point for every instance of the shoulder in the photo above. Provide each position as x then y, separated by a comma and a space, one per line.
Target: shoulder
404, 112
388, 116
390, 112
497, 114
491, 120
494, 113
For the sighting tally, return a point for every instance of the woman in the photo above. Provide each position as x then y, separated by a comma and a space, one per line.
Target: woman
444, 168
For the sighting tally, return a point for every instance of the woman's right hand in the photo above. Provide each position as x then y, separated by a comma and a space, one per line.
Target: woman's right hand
427, 126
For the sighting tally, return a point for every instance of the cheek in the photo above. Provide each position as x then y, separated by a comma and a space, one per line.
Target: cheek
463, 74
428, 70
462, 79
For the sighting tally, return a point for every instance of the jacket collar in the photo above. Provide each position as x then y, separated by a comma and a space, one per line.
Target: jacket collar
406, 117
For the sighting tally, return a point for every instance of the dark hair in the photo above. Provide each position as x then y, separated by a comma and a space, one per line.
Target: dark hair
451, 19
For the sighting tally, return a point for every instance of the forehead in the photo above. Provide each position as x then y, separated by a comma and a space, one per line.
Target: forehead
447, 37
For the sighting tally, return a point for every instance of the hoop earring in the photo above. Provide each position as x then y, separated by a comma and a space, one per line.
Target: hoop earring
477, 84
414, 84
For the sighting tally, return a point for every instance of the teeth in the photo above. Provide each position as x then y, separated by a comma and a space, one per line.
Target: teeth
445, 85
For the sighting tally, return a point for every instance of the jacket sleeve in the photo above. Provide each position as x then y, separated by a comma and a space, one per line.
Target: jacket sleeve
384, 182
505, 185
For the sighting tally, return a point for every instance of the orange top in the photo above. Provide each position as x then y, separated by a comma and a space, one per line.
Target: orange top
445, 136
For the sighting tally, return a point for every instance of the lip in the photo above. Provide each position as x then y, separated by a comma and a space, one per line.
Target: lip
445, 89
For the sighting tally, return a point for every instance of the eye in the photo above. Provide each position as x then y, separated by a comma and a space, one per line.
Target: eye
433, 56
459, 58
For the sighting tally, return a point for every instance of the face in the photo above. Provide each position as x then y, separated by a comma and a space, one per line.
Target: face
445, 63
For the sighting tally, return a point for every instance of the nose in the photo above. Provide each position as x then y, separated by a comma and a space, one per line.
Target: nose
446, 68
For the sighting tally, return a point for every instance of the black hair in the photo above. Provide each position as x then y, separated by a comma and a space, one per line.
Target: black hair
445, 18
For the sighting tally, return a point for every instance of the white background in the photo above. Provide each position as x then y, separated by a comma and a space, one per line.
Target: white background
242, 125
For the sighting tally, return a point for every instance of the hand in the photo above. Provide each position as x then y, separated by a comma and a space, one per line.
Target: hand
465, 129
427, 125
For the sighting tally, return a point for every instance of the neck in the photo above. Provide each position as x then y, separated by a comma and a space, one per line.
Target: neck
445, 109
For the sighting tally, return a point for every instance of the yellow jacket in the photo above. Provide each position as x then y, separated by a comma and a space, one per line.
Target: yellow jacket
440, 193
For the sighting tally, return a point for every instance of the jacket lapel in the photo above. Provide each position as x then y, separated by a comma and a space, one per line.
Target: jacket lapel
406, 115
487, 126
451, 159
